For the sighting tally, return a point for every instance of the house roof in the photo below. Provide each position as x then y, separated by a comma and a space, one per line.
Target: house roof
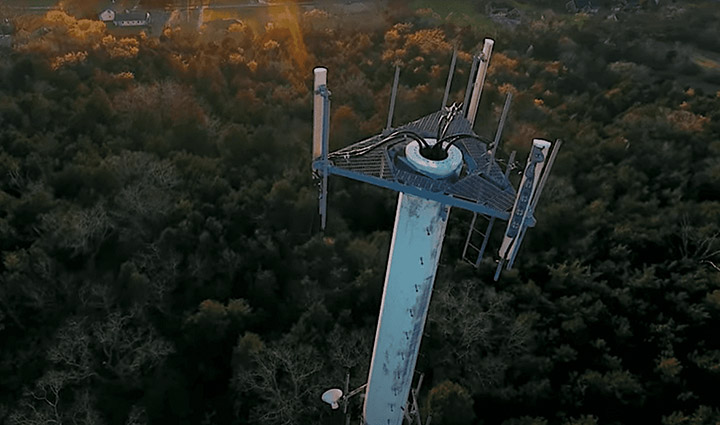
131, 16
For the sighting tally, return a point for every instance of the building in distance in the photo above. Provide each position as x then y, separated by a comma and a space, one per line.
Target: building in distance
128, 18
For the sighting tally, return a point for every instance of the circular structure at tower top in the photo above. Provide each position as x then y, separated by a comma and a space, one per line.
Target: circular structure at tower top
436, 169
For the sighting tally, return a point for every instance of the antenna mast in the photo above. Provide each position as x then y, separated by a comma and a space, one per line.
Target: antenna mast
321, 130
391, 111
479, 80
450, 78
434, 163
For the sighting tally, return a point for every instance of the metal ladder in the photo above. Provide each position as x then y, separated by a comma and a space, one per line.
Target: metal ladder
470, 246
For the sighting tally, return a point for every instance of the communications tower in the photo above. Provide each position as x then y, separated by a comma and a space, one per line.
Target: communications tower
434, 163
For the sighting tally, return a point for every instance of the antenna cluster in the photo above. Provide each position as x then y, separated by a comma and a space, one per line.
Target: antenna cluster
434, 163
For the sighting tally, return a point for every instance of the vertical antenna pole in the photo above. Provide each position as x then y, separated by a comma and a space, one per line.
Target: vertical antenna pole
526, 193
321, 130
320, 80
485, 241
510, 161
325, 149
415, 393
511, 261
536, 196
499, 269
545, 175
392, 97
449, 79
499, 131
507, 174
468, 89
479, 80
345, 405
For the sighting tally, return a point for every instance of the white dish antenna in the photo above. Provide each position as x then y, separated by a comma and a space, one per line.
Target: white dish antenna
332, 396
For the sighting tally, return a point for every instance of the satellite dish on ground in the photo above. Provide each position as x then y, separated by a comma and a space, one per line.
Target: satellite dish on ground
332, 396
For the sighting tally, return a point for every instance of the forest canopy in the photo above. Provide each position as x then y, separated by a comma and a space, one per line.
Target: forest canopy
160, 254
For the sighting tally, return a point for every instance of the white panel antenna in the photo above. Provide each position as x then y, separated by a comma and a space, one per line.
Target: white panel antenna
479, 80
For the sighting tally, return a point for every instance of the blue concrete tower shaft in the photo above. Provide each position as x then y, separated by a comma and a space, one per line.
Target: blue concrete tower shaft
414, 254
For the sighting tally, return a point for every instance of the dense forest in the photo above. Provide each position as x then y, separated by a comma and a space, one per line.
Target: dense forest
161, 259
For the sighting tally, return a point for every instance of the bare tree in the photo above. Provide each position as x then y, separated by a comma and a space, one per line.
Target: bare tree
128, 348
162, 267
137, 416
480, 333
96, 296
459, 315
83, 411
71, 351
147, 183
283, 376
71, 364
78, 229
350, 349
41, 404
713, 265
697, 243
